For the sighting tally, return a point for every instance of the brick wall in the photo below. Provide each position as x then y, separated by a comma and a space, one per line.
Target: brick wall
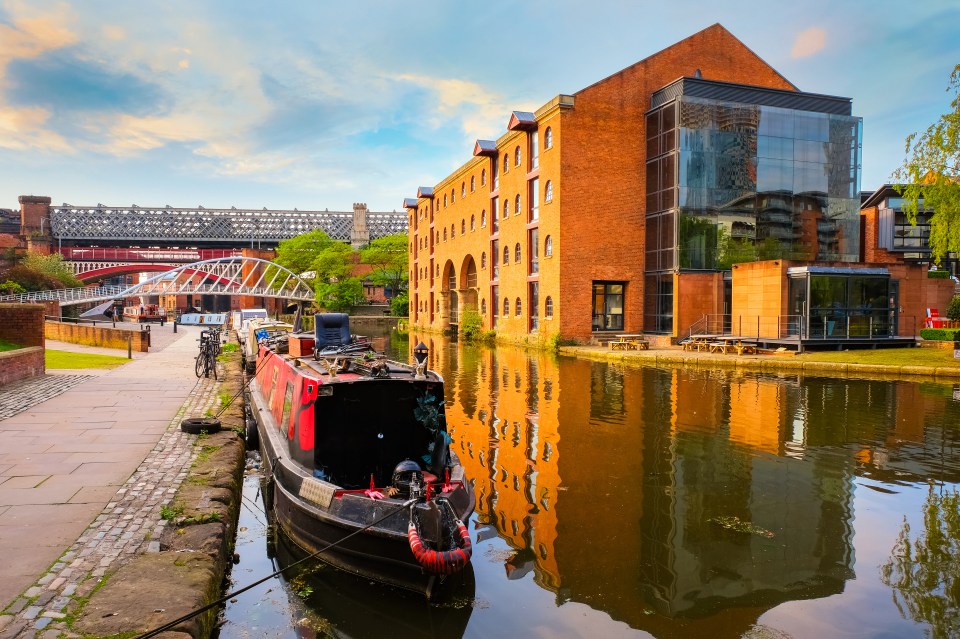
22, 324
104, 336
695, 295
20, 364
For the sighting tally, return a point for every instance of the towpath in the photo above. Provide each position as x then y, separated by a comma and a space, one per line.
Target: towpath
86, 459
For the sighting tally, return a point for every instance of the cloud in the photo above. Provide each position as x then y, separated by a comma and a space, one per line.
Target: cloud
25, 128
808, 42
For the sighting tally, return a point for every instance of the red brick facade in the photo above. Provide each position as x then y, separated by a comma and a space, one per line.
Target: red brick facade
595, 220
22, 324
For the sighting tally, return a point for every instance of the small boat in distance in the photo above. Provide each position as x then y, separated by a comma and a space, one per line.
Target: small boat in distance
357, 458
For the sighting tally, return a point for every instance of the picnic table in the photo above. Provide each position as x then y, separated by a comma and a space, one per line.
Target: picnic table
629, 342
732, 344
699, 342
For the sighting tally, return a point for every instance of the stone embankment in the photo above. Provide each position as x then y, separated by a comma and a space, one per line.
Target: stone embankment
773, 363
161, 548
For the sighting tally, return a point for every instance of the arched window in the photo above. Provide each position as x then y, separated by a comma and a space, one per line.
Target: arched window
483, 260
548, 246
548, 307
517, 253
548, 138
516, 156
463, 190
453, 231
438, 237
438, 270
444, 234
483, 177
473, 223
483, 307
463, 227
473, 183
444, 201
483, 218
453, 196
506, 255
517, 205
506, 307
506, 163
548, 192
438, 307
506, 207
518, 309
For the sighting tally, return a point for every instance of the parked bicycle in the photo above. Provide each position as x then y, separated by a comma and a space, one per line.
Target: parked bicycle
210, 346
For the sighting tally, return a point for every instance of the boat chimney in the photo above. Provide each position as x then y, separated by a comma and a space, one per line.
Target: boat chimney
420, 352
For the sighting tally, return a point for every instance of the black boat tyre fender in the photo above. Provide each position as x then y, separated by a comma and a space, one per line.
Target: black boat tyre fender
251, 434
441, 562
197, 425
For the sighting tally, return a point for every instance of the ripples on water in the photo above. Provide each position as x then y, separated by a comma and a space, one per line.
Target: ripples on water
622, 502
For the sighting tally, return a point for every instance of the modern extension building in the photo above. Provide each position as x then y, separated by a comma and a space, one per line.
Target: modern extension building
623, 207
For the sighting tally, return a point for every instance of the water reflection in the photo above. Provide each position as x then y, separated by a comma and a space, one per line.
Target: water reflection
683, 502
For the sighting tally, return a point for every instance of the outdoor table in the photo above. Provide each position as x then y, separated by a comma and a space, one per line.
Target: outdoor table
629, 341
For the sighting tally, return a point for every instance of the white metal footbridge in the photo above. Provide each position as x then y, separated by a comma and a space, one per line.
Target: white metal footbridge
223, 276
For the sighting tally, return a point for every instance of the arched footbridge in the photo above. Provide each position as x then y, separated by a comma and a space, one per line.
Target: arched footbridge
247, 276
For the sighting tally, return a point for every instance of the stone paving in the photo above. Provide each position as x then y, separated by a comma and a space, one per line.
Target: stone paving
128, 524
19, 396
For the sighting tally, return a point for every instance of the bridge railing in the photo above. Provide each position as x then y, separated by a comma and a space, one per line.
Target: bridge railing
66, 294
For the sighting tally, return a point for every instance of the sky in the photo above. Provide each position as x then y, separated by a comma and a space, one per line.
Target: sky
317, 105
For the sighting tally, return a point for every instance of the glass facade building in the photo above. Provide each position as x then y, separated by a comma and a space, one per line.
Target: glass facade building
738, 173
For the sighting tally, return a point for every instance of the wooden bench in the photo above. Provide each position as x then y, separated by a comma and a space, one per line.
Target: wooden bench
629, 342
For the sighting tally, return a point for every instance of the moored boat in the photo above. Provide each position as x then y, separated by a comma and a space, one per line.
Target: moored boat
356, 454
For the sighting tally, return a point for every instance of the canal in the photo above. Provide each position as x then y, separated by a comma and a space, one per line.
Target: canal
648, 502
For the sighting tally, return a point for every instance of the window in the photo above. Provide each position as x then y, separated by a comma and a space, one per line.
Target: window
517, 253
438, 307
506, 307
548, 307
534, 150
463, 190
444, 201
548, 247
453, 231
483, 260
473, 183
534, 297
463, 227
483, 219
518, 309
496, 177
608, 306
483, 177
548, 138
444, 234
494, 256
548, 192
516, 156
506, 208
534, 199
473, 223
438, 237
453, 196
534, 251
438, 270
506, 163
506, 255
483, 308
517, 206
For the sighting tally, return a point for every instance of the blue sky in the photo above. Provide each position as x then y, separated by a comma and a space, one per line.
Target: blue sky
321, 104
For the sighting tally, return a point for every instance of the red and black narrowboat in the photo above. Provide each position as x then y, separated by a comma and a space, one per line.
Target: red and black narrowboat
357, 457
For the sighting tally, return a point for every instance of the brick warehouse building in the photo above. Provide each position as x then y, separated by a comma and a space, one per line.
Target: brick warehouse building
621, 207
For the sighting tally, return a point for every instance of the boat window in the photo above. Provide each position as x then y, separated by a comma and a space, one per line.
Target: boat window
273, 386
287, 404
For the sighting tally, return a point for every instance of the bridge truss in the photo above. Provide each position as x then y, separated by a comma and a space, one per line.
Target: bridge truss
224, 276
167, 226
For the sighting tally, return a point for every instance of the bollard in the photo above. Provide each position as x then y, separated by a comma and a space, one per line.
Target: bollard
174, 326
129, 345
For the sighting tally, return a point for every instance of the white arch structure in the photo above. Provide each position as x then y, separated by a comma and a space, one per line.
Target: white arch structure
223, 276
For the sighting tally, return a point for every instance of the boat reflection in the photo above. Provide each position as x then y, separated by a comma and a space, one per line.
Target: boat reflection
341, 605
680, 501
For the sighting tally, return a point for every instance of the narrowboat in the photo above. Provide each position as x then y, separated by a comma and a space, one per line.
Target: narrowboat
357, 462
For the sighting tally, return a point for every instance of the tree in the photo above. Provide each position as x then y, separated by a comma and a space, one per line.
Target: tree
37, 272
389, 257
298, 253
929, 178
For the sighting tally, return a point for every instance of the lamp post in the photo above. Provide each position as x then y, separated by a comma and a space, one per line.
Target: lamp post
420, 352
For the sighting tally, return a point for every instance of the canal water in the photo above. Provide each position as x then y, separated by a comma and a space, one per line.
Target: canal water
648, 502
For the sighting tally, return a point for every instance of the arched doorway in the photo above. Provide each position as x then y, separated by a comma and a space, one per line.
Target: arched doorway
449, 298
469, 288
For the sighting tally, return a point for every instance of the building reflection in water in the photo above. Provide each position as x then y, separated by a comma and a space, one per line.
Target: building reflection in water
677, 499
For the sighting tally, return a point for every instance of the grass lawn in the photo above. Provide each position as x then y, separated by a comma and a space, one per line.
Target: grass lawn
887, 356
8, 346
65, 359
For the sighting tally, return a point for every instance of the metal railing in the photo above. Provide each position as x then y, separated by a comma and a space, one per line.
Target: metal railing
850, 327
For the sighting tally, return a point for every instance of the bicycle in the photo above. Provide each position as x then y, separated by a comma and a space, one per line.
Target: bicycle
209, 349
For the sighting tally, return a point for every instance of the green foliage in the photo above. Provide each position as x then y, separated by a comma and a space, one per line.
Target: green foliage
929, 178
298, 253
339, 295
10, 287
940, 334
52, 266
924, 572
938, 275
953, 310
169, 512
389, 257
400, 304
471, 324
555, 341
